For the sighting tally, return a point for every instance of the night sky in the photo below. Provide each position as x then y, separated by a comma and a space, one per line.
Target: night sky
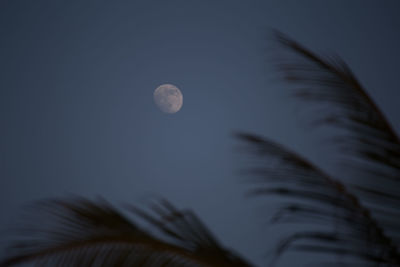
76, 98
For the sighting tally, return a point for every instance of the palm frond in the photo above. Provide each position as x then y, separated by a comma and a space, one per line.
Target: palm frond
80, 232
185, 228
312, 196
368, 141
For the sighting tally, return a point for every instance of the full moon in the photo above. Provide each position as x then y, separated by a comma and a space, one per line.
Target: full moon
168, 98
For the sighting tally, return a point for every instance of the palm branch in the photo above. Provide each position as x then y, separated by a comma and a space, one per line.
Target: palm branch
314, 197
367, 140
80, 232
364, 215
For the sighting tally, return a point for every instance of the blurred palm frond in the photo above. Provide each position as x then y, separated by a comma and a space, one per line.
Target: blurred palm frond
365, 215
368, 142
80, 232
339, 224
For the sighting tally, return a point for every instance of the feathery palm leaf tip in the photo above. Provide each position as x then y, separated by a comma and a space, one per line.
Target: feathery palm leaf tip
370, 141
314, 196
330, 82
87, 233
319, 200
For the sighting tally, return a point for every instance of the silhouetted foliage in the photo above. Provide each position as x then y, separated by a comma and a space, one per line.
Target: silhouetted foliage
358, 221
80, 232
365, 216
316, 198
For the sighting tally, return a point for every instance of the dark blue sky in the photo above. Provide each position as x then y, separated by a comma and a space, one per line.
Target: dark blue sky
77, 114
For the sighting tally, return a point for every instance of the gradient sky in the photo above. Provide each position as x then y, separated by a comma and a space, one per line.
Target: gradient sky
76, 98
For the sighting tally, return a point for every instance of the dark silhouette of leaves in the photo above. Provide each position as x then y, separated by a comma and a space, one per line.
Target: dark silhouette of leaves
369, 141
80, 232
320, 200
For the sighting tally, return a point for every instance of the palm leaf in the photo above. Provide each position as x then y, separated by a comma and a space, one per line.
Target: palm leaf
315, 198
80, 232
368, 139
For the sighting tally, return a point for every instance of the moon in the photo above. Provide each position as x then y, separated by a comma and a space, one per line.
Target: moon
168, 98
